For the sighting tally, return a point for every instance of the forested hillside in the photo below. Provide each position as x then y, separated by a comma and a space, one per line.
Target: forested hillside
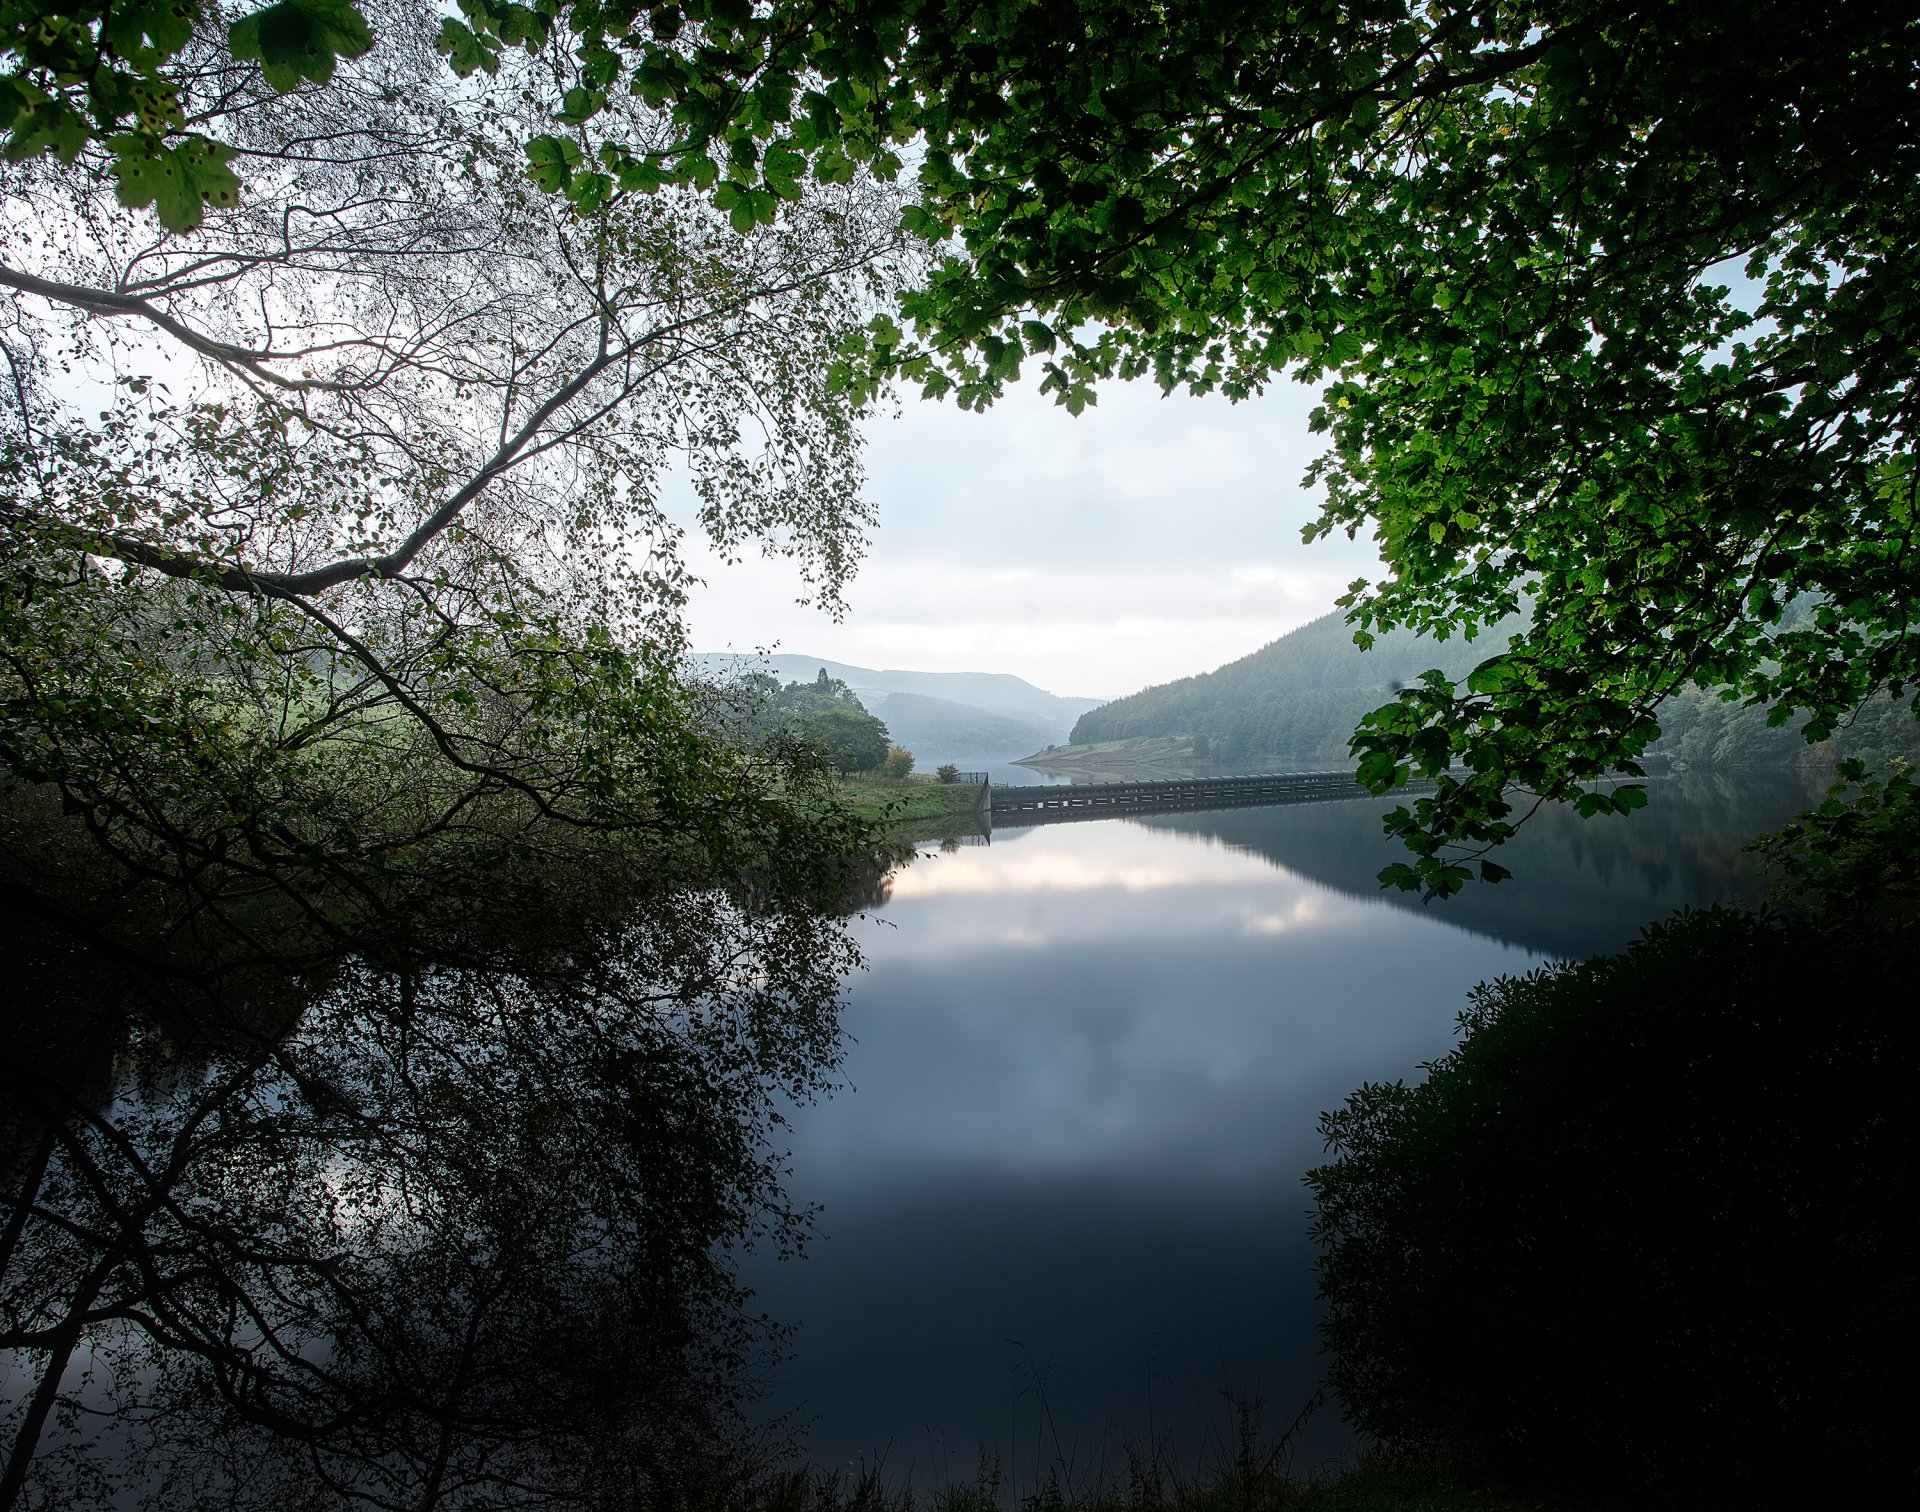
1701, 729
1296, 699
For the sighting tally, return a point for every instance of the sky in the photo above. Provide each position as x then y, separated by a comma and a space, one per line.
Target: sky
1145, 540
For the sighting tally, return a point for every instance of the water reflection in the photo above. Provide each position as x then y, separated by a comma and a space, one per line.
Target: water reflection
459, 1219
1580, 888
1089, 1064
450, 1228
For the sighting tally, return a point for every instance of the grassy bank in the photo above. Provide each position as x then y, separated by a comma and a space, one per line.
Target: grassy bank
922, 803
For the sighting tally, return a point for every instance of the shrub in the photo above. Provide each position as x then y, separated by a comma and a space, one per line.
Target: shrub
899, 762
1647, 1223
947, 773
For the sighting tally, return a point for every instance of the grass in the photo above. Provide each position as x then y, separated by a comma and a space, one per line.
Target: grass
920, 801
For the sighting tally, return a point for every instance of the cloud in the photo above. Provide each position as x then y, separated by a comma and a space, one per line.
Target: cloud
1146, 540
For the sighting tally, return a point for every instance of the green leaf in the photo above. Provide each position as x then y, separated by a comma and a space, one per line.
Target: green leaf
179, 181
465, 52
1399, 875
49, 125
300, 40
156, 104
589, 191
142, 30
1376, 771
551, 161
578, 105
1494, 675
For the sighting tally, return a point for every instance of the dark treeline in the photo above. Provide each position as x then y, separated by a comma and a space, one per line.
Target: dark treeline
1643, 1231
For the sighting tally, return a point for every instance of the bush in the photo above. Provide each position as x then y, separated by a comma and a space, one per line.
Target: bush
947, 773
899, 762
1647, 1224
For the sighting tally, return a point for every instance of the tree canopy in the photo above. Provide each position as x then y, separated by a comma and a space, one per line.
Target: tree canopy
821, 720
333, 521
1613, 305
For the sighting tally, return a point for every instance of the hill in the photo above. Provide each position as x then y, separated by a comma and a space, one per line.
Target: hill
960, 732
939, 716
1296, 699
1296, 702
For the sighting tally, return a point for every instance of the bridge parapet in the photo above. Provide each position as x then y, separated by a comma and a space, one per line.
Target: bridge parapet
1038, 805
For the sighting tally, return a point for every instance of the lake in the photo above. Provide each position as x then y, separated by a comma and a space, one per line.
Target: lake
1060, 1199
468, 1193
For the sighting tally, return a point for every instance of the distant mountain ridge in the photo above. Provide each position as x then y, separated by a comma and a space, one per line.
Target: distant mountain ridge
960, 732
1297, 698
939, 716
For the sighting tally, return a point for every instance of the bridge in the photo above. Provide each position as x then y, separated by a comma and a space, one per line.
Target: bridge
1016, 806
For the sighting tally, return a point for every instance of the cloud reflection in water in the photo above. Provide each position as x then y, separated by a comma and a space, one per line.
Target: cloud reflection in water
1088, 1070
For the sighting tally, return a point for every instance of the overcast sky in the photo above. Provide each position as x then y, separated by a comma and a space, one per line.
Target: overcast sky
1148, 539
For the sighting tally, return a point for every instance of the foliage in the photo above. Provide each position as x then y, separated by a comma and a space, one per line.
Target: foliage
850, 740
104, 75
1645, 1223
1713, 728
1298, 697
1857, 856
822, 719
824, 692
897, 763
947, 772
1615, 309
334, 551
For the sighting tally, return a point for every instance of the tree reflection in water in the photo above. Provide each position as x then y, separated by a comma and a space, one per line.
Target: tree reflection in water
448, 1227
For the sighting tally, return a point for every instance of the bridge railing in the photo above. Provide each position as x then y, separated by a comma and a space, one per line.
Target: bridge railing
1088, 800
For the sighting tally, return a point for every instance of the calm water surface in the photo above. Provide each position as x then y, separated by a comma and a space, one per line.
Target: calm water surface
1061, 1206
